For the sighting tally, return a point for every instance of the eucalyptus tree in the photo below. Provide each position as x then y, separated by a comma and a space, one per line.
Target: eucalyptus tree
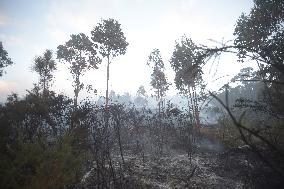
158, 78
81, 55
112, 42
45, 66
159, 83
186, 61
4, 59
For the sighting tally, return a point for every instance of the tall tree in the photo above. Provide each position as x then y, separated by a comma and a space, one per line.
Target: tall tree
112, 42
260, 34
158, 78
260, 37
45, 66
160, 85
80, 54
4, 59
186, 62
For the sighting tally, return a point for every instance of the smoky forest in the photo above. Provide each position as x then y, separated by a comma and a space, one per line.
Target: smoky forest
230, 137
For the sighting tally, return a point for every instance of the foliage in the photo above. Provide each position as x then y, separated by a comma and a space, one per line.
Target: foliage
110, 38
81, 55
227, 133
4, 59
36, 115
158, 78
45, 66
261, 33
186, 62
36, 151
38, 165
259, 37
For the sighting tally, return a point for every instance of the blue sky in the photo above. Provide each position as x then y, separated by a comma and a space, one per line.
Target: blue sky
28, 27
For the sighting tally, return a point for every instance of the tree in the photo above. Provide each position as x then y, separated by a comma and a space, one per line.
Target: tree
260, 34
260, 37
141, 91
186, 62
45, 66
158, 78
80, 53
159, 82
4, 59
112, 42
141, 97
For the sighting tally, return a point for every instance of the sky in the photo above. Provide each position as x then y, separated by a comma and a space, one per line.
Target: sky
28, 27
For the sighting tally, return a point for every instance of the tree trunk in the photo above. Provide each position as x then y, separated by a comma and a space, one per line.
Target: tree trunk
108, 62
160, 123
76, 91
196, 108
119, 142
191, 96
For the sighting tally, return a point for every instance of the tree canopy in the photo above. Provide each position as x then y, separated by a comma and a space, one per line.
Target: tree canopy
81, 55
158, 78
186, 62
80, 52
261, 33
45, 66
112, 42
111, 39
4, 59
